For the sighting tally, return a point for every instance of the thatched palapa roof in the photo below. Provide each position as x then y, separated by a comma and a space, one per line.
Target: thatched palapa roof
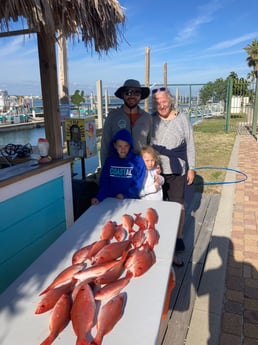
95, 22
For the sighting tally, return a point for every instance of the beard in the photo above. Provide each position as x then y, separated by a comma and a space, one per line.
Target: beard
131, 104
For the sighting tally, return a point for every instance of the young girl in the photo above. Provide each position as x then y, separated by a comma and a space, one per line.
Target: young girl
153, 182
152, 185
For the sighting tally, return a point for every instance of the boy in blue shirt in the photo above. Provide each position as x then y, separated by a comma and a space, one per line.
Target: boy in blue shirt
123, 172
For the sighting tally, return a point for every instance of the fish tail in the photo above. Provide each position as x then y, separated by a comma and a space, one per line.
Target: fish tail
97, 341
82, 342
49, 340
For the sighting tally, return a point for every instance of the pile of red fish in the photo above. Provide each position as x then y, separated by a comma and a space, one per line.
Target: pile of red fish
89, 291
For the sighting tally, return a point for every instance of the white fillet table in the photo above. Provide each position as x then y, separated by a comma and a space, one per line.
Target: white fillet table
145, 294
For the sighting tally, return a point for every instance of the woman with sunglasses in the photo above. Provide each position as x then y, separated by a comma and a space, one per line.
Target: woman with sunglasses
172, 137
129, 116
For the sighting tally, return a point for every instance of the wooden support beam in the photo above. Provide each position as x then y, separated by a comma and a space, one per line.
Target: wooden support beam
49, 89
17, 33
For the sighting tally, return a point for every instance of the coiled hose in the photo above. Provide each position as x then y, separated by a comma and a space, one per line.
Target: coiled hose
244, 178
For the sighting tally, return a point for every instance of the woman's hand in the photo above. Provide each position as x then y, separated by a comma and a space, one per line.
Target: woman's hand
190, 176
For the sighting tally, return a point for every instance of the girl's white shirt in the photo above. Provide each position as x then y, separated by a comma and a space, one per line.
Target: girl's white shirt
149, 191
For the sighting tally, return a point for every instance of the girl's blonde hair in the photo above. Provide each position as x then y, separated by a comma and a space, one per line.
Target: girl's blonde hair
149, 149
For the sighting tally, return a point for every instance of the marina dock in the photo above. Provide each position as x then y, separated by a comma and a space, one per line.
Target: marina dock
33, 123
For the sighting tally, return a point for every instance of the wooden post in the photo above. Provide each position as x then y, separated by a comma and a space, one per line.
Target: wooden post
165, 74
147, 76
177, 96
106, 102
228, 103
62, 63
49, 88
99, 103
63, 84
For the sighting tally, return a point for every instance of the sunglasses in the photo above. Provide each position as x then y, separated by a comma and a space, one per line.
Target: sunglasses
131, 92
158, 89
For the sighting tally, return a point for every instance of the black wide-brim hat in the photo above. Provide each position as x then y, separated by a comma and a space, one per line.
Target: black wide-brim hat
145, 91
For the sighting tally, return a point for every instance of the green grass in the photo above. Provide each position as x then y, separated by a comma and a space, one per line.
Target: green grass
213, 148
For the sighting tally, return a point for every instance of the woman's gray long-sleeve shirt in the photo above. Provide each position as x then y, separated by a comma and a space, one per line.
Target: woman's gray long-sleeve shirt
169, 135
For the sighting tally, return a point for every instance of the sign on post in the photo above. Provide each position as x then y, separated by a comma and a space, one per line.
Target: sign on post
81, 137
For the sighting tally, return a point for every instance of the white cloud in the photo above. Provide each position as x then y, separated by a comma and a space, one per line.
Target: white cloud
230, 43
204, 15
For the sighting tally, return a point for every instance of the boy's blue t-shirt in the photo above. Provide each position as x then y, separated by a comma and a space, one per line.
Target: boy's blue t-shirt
119, 175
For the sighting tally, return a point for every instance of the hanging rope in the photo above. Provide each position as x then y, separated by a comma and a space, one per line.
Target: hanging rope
244, 178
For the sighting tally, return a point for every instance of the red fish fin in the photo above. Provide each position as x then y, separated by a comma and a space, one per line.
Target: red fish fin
129, 274
45, 291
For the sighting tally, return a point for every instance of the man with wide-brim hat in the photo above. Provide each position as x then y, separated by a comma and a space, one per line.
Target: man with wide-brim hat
134, 85
129, 116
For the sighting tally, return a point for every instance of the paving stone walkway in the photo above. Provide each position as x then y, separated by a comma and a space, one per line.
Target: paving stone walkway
239, 322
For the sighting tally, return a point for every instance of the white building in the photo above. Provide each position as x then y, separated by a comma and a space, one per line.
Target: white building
4, 100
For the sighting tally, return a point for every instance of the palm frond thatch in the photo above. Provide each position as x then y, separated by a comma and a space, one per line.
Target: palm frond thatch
97, 22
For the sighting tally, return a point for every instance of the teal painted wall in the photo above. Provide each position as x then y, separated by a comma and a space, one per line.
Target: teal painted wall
29, 223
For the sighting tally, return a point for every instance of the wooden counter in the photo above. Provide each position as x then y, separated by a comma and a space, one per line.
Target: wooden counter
145, 294
27, 168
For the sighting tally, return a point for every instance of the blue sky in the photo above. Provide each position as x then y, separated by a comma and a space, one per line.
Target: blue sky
199, 41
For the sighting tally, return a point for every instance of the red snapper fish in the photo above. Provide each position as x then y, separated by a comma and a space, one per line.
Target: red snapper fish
65, 275
111, 251
109, 315
140, 221
112, 289
137, 238
120, 233
128, 222
59, 318
108, 230
170, 287
83, 314
151, 217
81, 254
52, 296
88, 251
152, 237
140, 260
95, 271
113, 273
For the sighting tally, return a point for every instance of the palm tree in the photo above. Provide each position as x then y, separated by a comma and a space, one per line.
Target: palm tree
251, 76
252, 61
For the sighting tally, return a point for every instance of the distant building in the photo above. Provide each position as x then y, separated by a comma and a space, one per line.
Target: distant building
4, 101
